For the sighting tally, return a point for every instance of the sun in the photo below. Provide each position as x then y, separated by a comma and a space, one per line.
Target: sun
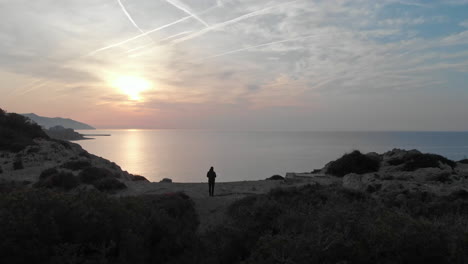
132, 86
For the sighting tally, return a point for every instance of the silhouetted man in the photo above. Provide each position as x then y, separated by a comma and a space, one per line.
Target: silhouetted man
211, 180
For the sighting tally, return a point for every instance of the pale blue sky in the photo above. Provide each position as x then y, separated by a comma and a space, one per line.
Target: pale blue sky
243, 64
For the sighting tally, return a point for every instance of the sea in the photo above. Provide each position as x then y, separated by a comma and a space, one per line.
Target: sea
186, 155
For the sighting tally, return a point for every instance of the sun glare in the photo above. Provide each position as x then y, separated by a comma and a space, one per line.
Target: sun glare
132, 86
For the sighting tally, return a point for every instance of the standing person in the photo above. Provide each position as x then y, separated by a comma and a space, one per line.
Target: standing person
211, 180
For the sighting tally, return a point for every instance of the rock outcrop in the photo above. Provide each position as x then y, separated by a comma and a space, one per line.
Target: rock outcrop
59, 132
406, 171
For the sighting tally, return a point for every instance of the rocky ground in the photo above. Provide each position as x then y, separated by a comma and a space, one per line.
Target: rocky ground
28, 164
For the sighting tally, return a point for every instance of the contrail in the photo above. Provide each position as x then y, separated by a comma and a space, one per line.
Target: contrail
161, 40
146, 33
139, 36
30, 89
258, 46
185, 8
129, 16
229, 22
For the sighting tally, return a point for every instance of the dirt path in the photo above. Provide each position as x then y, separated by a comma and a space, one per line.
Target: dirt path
212, 210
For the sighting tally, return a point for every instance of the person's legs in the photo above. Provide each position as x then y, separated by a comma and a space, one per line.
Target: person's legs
211, 187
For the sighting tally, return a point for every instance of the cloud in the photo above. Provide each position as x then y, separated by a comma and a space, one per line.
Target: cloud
263, 54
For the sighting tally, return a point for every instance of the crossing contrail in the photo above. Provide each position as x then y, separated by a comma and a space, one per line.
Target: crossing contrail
139, 36
186, 9
146, 51
129, 16
147, 33
229, 22
258, 46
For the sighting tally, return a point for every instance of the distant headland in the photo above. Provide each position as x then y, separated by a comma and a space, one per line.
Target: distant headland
48, 122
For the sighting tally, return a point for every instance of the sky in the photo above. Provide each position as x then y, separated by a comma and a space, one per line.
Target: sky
238, 64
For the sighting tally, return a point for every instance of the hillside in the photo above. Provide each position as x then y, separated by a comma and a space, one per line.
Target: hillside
48, 122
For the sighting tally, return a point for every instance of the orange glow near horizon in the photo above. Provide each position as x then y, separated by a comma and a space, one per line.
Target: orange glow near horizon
132, 86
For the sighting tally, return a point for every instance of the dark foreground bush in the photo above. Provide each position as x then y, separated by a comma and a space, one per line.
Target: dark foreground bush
463, 161
332, 225
414, 161
54, 179
47, 172
76, 165
18, 164
41, 226
93, 174
109, 184
354, 162
17, 132
139, 178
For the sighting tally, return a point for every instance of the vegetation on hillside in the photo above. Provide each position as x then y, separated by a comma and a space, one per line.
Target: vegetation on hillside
101, 178
17, 132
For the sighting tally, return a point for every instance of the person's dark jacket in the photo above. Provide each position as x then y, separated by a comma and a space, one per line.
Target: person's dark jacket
211, 175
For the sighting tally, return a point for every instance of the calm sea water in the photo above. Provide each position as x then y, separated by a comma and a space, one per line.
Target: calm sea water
186, 155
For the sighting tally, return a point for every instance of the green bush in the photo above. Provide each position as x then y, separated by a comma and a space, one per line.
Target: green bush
353, 162
76, 164
17, 132
42, 226
61, 180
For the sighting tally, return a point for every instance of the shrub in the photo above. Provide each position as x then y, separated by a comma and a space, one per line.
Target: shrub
41, 226
18, 164
10, 186
1, 170
61, 180
85, 154
421, 160
92, 174
463, 161
17, 132
109, 184
166, 180
47, 172
138, 178
331, 225
354, 162
76, 165
442, 177
275, 178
